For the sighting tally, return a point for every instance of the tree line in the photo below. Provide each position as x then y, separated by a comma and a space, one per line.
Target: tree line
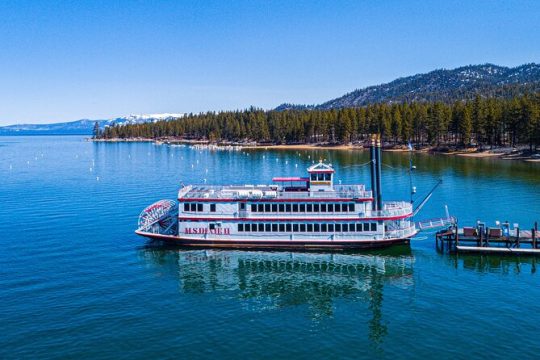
483, 122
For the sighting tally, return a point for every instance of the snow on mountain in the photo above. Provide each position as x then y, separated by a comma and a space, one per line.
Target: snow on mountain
143, 118
83, 126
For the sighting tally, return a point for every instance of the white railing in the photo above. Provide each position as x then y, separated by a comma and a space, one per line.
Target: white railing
401, 234
397, 208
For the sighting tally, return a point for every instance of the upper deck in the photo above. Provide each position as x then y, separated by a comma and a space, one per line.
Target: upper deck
270, 192
318, 185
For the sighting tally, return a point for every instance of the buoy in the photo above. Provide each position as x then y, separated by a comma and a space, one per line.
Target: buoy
97, 178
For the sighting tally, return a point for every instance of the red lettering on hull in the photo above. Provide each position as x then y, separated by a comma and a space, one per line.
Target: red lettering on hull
201, 231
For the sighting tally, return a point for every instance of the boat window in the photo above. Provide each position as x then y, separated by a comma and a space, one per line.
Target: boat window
330, 207
295, 208
212, 207
337, 207
242, 206
366, 226
316, 227
193, 207
274, 227
295, 227
345, 227
247, 228
212, 226
302, 207
302, 227
338, 227
330, 227
327, 177
315, 207
288, 227
344, 207
320, 177
253, 207
373, 226
323, 228
260, 208
309, 207
323, 207
240, 227
281, 227
288, 207
267, 227
358, 227
310, 227
281, 207
313, 177
186, 207
266, 207
261, 227
351, 207
274, 207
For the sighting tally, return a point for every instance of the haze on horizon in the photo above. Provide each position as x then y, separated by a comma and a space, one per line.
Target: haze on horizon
65, 61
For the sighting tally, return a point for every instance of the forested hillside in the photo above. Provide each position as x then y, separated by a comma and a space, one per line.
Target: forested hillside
481, 121
463, 83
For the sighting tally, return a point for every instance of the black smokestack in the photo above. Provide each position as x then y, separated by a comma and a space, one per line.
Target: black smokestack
378, 171
373, 170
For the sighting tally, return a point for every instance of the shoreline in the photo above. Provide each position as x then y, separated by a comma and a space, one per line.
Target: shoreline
509, 154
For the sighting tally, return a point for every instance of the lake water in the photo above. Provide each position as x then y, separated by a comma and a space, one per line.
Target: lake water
76, 282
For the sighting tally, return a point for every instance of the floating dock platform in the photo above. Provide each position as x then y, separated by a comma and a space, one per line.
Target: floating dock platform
500, 239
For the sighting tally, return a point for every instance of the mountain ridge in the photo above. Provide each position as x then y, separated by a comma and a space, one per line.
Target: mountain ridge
446, 85
83, 126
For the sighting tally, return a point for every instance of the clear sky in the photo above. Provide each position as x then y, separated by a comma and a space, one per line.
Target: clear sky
66, 60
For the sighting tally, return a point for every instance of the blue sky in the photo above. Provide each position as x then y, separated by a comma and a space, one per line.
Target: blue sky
67, 60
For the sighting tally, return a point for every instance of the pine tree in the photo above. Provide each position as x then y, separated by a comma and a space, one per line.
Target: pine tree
96, 132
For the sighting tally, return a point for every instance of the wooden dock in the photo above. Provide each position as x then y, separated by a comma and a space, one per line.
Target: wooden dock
500, 239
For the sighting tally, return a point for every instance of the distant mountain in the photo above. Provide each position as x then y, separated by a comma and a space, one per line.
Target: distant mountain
466, 82
83, 126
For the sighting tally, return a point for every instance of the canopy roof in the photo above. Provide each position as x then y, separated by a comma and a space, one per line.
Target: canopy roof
284, 179
321, 168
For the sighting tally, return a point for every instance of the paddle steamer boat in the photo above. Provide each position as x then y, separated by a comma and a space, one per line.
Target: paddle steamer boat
309, 212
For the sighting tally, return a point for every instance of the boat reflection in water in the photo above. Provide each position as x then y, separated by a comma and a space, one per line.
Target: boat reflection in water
273, 280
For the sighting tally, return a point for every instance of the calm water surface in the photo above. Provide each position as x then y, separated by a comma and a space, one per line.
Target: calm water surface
75, 282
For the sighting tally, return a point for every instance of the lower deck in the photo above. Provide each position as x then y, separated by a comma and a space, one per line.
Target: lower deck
296, 230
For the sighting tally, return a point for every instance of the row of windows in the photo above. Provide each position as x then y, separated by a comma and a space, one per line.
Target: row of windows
279, 208
318, 227
321, 177
303, 208
198, 207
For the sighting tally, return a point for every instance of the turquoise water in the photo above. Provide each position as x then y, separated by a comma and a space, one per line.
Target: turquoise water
75, 282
